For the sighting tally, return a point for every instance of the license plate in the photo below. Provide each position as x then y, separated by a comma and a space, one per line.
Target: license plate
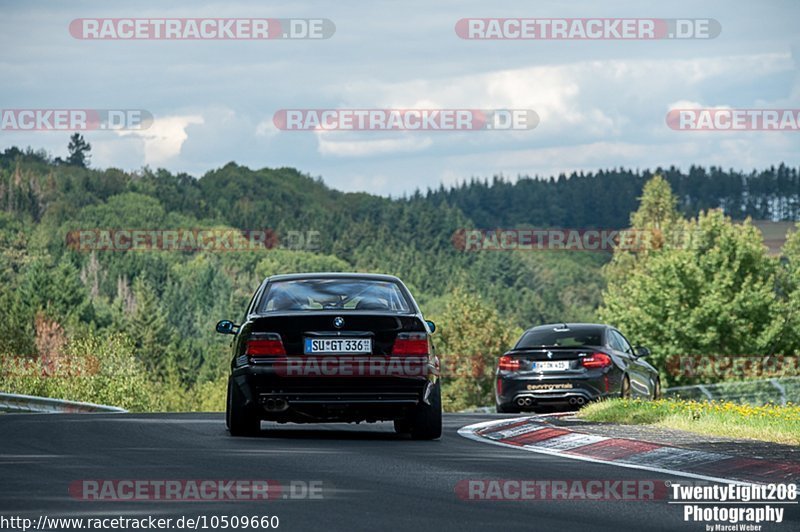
315, 346
555, 365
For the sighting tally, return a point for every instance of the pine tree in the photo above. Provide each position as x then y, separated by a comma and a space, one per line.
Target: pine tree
78, 151
148, 328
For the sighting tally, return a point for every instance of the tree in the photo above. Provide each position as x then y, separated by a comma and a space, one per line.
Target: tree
149, 330
55, 288
657, 206
473, 335
654, 225
78, 151
708, 291
787, 331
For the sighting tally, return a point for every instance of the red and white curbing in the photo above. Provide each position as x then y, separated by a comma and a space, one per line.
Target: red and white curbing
536, 435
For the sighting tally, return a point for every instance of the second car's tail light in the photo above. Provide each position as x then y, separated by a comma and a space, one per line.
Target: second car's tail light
265, 344
596, 360
411, 344
508, 363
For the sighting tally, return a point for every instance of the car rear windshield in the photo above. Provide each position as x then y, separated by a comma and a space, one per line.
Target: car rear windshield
560, 338
334, 294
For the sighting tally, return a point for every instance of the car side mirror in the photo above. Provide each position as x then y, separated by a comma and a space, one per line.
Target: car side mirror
431, 325
642, 351
227, 327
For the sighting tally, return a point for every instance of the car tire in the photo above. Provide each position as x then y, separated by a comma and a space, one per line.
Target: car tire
402, 426
425, 422
657, 389
505, 409
241, 420
625, 388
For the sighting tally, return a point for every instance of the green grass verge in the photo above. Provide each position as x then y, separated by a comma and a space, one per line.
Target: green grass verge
780, 424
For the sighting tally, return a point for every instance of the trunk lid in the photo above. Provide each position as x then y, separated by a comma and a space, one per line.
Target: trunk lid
551, 359
294, 328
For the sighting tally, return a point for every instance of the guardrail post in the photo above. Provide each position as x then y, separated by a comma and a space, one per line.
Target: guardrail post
780, 388
705, 392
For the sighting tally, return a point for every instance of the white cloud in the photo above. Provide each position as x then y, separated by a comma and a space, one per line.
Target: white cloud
336, 143
266, 128
594, 97
164, 138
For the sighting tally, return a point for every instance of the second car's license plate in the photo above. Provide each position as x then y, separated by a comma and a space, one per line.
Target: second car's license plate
555, 365
337, 345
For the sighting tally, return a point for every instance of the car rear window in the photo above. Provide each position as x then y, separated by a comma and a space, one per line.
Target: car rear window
334, 294
560, 338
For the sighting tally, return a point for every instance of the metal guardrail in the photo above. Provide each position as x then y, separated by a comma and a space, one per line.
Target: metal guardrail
758, 392
10, 402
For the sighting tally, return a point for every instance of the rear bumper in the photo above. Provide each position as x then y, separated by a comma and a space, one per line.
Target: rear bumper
528, 390
309, 399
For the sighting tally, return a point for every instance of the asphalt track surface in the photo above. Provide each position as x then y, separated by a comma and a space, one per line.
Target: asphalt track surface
371, 478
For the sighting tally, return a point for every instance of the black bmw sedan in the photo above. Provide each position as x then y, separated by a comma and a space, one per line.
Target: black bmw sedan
328, 347
570, 364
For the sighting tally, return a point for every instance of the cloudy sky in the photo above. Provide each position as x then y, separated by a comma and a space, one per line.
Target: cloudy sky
602, 104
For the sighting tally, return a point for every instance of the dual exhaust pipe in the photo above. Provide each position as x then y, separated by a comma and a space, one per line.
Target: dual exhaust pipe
276, 405
524, 401
527, 401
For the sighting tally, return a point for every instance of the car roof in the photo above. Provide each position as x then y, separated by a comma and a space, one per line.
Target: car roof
578, 327
334, 275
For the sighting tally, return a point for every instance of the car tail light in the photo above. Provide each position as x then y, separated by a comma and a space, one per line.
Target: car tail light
265, 344
509, 363
411, 344
596, 360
